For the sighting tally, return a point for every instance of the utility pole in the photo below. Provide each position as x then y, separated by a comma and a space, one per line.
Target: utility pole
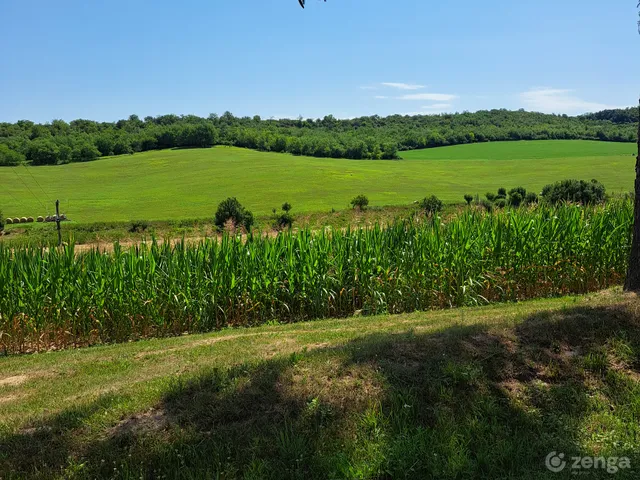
58, 222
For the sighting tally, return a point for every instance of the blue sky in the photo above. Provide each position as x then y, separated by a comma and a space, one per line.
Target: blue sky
107, 59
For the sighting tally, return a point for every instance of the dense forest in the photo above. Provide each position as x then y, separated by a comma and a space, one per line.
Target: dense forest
372, 137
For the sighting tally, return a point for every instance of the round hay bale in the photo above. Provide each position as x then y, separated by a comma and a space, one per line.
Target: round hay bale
29, 219
40, 219
63, 216
23, 220
48, 219
8, 221
16, 220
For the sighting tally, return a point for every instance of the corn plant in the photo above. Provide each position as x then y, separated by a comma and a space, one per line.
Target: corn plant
58, 298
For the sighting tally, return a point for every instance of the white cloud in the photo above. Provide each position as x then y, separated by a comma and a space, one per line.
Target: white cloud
380, 97
434, 97
553, 100
402, 86
437, 106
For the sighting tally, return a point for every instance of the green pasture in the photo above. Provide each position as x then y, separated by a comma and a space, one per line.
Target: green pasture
189, 183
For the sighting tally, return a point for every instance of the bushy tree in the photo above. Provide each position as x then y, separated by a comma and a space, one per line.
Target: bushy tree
502, 193
490, 196
286, 207
531, 198
85, 152
515, 199
8, 157
232, 209
500, 202
431, 205
360, 202
468, 198
43, 152
577, 191
1, 221
521, 190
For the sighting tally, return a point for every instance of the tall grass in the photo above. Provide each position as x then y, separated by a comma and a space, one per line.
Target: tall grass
52, 298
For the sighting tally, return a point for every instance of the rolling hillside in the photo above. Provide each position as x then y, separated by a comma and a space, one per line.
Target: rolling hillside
189, 183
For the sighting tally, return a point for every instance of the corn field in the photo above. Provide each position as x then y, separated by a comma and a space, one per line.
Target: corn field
57, 298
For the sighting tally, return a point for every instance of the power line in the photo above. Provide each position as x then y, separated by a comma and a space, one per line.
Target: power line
31, 191
14, 198
48, 197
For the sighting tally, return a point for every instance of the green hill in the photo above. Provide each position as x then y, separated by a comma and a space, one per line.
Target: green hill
188, 183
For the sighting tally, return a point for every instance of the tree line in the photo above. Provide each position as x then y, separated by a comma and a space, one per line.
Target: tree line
373, 137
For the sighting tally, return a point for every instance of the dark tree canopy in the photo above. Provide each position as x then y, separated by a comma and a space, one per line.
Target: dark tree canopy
373, 137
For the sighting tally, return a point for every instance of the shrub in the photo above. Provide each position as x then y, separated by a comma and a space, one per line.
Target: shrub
502, 193
487, 205
521, 190
284, 220
431, 205
286, 207
578, 191
468, 198
490, 196
232, 209
500, 203
2, 222
531, 198
515, 199
138, 226
360, 202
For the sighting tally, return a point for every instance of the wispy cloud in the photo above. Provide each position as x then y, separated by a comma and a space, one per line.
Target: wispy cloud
402, 86
381, 97
368, 87
553, 100
433, 97
437, 106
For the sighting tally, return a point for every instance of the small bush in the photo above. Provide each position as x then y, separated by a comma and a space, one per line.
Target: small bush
521, 190
490, 196
500, 203
468, 198
284, 220
360, 202
487, 205
232, 209
531, 198
578, 191
502, 193
138, 226
515, 199
1, 222
431, 205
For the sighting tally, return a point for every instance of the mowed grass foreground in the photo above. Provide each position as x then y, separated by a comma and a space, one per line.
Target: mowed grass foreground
472, 393
57, 298
178, 184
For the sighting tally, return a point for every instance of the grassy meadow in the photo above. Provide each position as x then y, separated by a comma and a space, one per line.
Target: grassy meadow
189, 183
483, 392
